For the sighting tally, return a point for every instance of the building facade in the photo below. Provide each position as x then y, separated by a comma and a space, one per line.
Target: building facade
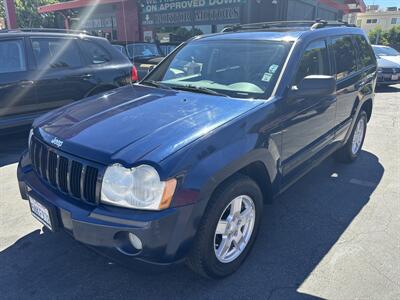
176, 20
375, 17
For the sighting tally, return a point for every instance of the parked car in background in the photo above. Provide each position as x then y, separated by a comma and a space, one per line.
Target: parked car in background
167, 48
121, 49
388, 64
144, 56
177, 167
41, 70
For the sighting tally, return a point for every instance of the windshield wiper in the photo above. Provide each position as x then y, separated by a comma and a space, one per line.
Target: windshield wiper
155, 84
198, 89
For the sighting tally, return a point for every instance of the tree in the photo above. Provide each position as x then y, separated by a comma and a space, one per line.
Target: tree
28, 15
393, 37
378, 36
2, 10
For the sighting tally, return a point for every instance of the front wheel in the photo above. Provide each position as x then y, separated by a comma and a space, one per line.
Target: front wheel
352, 148
228, 229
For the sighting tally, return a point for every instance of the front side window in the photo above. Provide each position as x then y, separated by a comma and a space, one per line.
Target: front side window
142, 50
240, 68
365, 52
345, 56
56, 53
95, 53
314, 61
12, 56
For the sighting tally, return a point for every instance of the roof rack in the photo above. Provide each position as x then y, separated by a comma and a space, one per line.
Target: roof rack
50, 30
287, 24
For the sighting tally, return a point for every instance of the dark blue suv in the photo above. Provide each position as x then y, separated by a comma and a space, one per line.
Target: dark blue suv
177, 167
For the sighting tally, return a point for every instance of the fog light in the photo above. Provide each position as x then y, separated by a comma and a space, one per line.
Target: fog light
135, 241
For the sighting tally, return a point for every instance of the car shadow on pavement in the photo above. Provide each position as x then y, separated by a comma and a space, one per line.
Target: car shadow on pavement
298, 230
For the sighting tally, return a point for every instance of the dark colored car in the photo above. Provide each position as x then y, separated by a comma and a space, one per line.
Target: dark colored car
145, 56
177, 167
388, 65
40, 71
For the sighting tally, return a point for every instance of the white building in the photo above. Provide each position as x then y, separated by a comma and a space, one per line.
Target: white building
373, 18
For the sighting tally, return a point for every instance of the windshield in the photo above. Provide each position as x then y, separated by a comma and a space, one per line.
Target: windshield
242, 69
135, 50
385, 51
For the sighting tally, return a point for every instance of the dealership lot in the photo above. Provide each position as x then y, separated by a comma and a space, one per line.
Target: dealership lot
332, 235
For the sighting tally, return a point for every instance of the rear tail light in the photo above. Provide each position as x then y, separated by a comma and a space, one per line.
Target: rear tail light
134, 74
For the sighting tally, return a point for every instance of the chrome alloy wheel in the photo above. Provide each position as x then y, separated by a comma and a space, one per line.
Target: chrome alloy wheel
358, 136
234, 228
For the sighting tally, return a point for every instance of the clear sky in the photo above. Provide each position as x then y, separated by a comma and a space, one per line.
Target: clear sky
383, 3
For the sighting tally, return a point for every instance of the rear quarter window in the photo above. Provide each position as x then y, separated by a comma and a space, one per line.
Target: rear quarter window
95, 53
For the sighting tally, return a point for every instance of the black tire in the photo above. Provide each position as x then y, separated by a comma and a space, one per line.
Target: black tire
345, 154
202, 258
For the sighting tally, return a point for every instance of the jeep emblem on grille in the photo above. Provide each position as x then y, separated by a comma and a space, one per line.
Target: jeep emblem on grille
57, 142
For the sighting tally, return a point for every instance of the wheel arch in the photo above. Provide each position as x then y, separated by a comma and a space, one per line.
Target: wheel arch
367, 106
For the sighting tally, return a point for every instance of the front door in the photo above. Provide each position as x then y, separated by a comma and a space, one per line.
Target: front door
310, 120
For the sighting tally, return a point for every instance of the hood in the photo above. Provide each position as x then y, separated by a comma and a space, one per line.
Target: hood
137, 123
395, 59
385, 63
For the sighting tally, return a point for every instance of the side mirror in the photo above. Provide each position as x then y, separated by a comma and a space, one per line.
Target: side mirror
314, 85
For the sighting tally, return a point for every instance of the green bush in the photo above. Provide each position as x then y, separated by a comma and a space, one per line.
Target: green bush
389, 37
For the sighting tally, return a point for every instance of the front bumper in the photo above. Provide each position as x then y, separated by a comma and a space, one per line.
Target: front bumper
166, 235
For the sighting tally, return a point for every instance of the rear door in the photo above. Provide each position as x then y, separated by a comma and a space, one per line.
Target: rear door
347, 79
61, 76
17, 93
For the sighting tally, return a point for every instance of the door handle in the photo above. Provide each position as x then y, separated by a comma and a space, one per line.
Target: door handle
86, 76
26, 82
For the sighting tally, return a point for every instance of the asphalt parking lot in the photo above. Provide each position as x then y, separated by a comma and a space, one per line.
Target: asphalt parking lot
334, 235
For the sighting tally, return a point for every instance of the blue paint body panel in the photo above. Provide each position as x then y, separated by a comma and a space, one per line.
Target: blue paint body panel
198, 139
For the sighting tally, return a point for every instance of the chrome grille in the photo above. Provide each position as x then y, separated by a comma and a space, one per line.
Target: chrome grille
69, 175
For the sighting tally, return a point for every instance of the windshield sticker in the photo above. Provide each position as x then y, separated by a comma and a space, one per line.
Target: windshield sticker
266, 77
272, 69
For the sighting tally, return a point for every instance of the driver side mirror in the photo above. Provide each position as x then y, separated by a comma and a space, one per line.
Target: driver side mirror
314, 85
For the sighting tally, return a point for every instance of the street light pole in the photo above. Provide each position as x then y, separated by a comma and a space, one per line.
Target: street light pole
10, 14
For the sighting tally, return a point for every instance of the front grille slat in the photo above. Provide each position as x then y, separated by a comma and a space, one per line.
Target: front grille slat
66, 174
76, 173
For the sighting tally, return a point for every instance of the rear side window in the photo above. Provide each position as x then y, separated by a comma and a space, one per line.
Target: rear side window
12, 56
314, 61
95, 53
345, 56
56, 53
365, 52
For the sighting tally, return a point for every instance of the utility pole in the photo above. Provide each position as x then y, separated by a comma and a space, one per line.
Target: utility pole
10, 14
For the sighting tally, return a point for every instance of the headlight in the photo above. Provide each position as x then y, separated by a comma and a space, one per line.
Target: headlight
30, 137
138, 187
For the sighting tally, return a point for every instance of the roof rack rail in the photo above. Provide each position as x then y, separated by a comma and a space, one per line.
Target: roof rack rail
286, 24
50, 30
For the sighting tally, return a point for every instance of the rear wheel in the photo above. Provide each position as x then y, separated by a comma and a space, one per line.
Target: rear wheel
228, 228
351, 150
